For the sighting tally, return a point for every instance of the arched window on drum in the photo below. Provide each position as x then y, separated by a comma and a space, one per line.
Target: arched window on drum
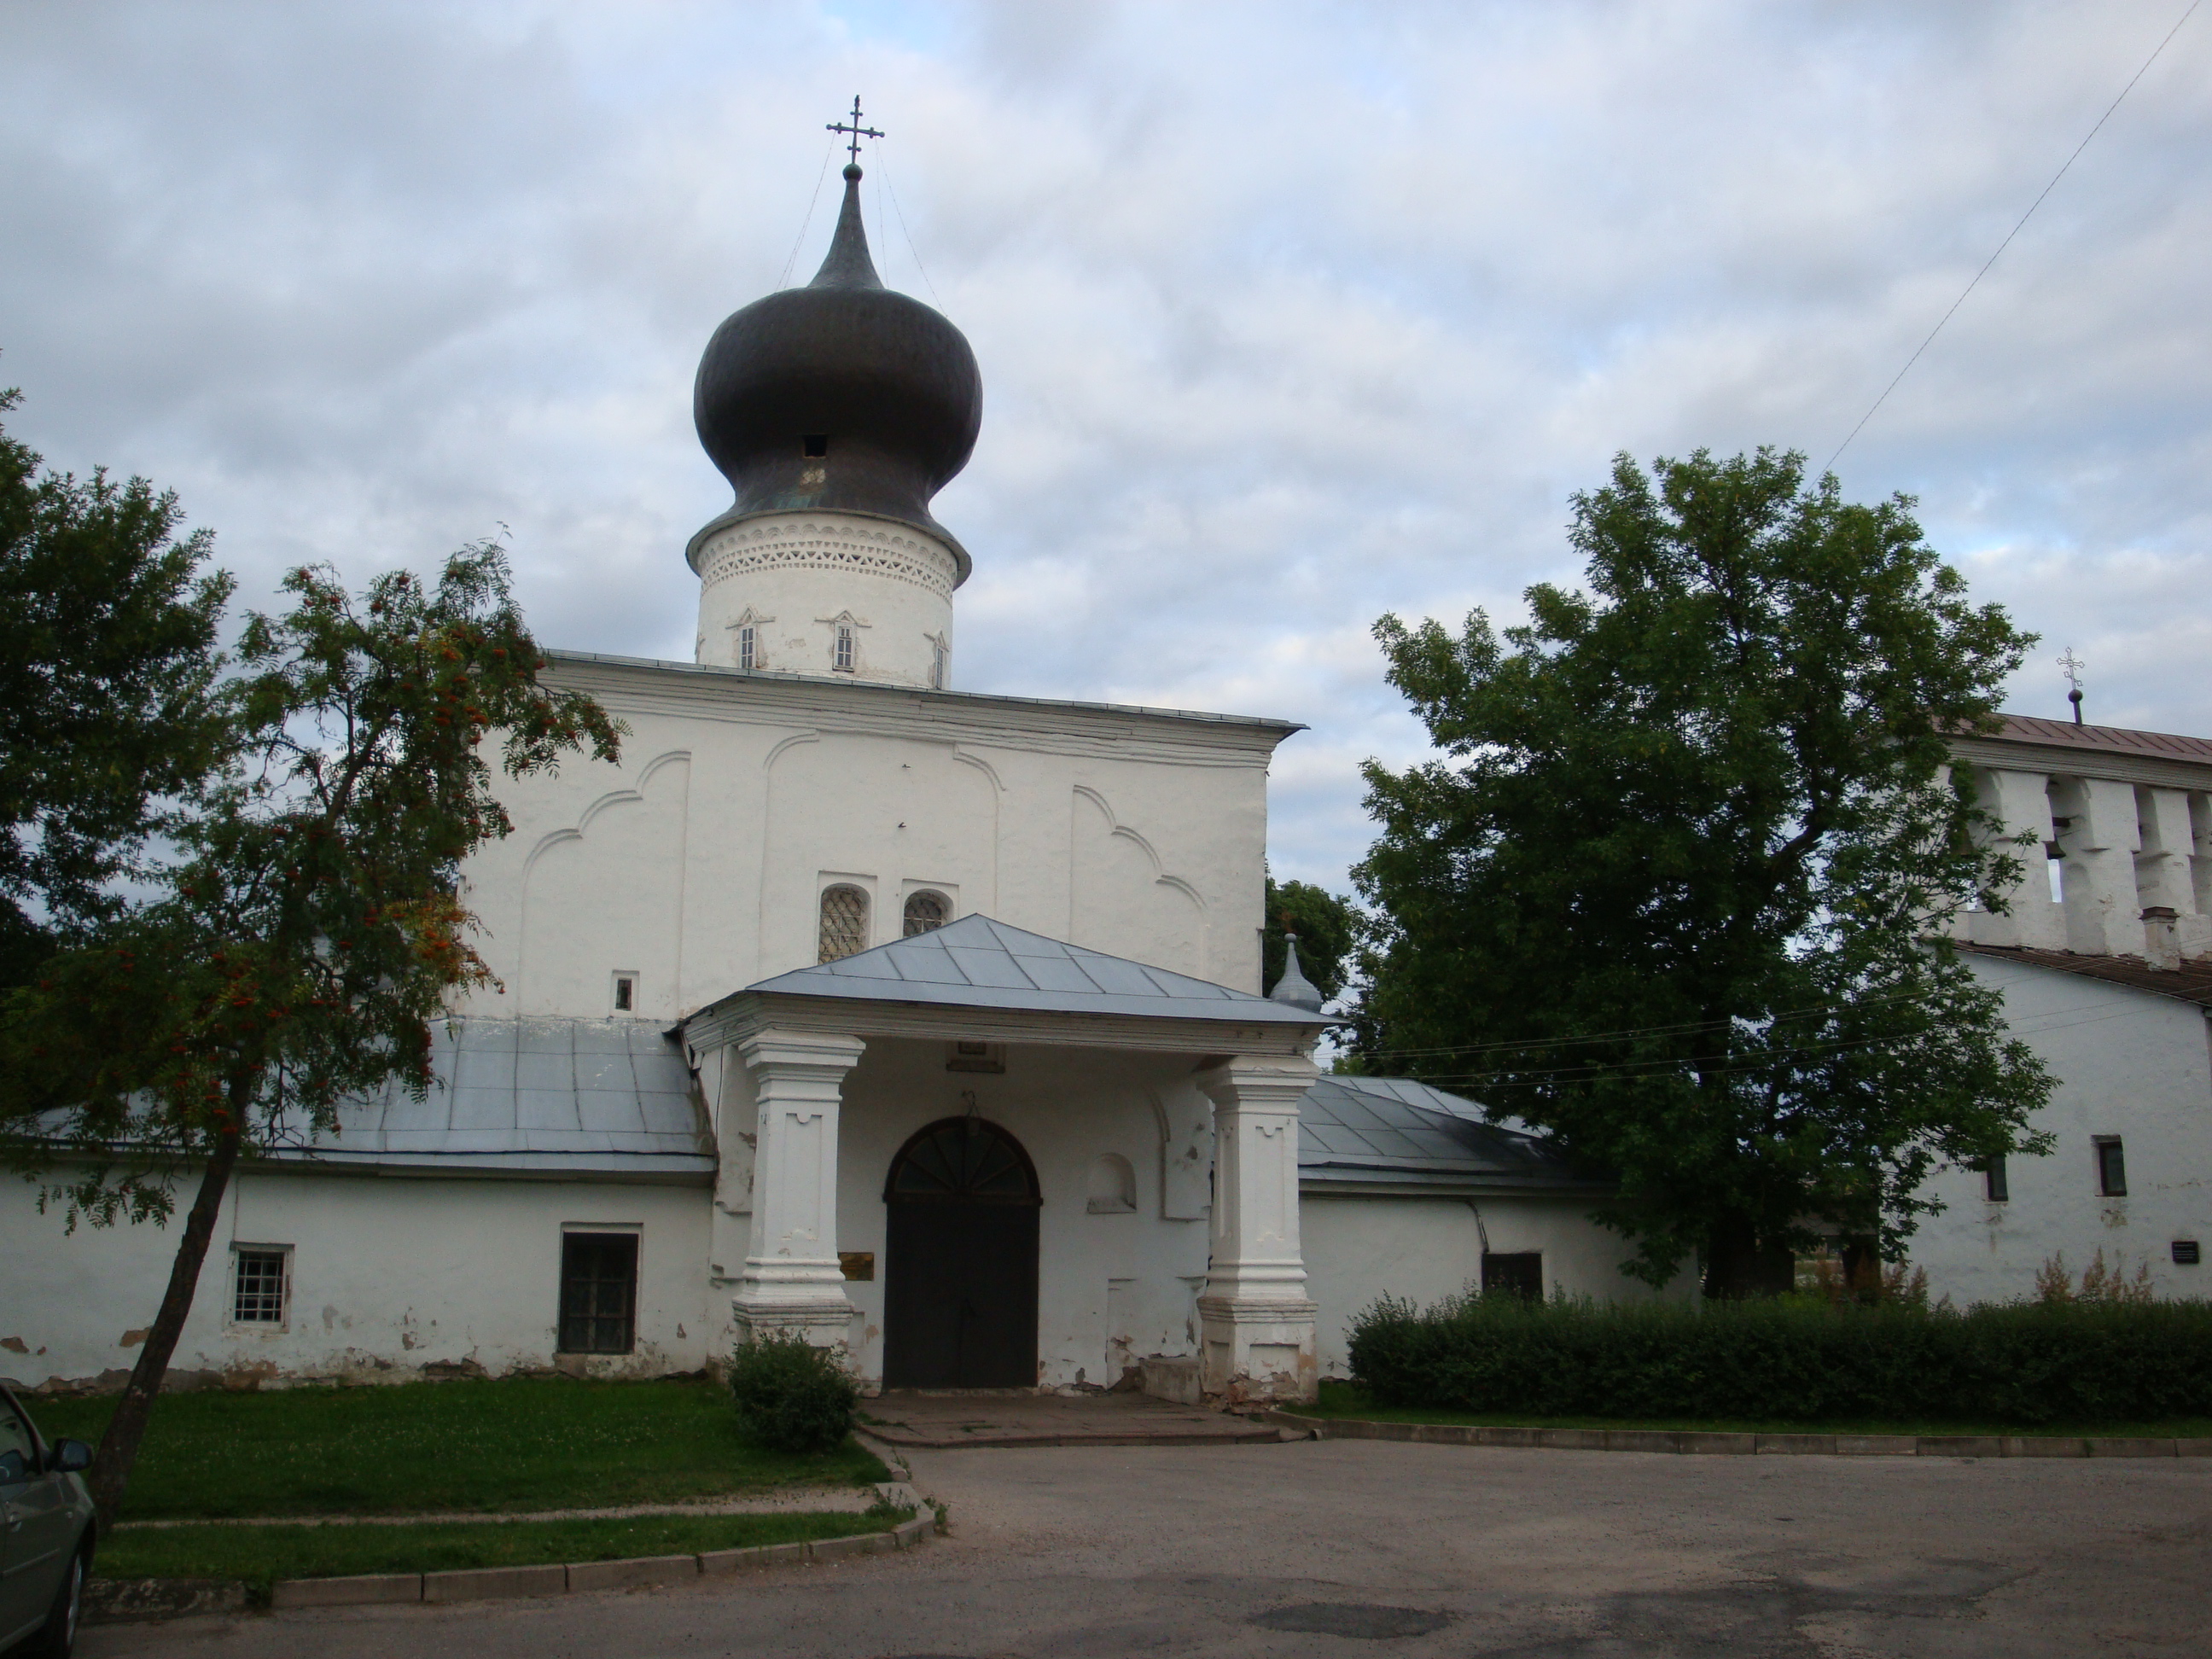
926, 913
844, 922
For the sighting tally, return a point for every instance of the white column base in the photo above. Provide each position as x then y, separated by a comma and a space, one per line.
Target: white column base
1257, 1352
824, 1321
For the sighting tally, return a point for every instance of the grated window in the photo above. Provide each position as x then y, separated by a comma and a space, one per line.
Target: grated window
1518, 1273
598, 1292
925, 913
258, 1286
625, 993
844, 922
842, 659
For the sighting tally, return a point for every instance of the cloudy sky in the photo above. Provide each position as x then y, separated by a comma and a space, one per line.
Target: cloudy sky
1288, 314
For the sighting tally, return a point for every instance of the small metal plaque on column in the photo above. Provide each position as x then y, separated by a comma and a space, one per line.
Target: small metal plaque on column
2184, 1253
857, 1264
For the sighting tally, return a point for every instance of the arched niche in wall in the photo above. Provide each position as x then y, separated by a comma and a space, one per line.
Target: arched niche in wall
1110, 1187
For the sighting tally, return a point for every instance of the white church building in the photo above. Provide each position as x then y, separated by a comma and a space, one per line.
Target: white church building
923, 1021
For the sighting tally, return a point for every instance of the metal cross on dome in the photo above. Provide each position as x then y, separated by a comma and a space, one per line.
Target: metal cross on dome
857, 131
2072, 666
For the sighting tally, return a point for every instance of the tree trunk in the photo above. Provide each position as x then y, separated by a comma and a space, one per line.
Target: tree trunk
119, 1447
1739, 1264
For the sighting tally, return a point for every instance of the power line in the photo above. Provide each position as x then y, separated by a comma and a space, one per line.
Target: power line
2013, 232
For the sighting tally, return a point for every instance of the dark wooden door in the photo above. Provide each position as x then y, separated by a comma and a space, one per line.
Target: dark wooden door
960, 1291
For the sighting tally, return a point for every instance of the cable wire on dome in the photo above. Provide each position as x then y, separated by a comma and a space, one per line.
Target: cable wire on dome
799, 241
884, 173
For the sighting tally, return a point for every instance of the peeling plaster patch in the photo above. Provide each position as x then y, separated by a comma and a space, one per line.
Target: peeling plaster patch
132, 1339
329, 1316
16, 1345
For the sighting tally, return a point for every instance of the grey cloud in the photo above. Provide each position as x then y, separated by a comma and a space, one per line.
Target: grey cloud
1288, 314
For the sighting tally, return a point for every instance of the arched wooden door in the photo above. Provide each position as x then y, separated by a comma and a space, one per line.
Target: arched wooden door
960, 1290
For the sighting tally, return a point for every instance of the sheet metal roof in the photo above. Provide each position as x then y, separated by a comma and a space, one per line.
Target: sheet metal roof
978, 962
1369, 1132
528, 1095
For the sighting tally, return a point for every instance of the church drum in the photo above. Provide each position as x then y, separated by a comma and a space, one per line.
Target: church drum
960, 1297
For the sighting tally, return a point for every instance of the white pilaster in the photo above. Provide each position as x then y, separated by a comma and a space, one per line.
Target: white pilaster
2020, 801
792, 1279
2100, 840
1256, 1323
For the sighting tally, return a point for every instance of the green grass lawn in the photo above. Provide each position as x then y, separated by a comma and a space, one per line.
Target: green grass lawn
260, 1555
1348, 1399
517, 1443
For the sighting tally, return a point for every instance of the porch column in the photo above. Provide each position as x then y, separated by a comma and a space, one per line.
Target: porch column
1255, 1321
792, 1281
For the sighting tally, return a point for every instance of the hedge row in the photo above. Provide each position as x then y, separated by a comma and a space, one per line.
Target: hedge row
2023, 1364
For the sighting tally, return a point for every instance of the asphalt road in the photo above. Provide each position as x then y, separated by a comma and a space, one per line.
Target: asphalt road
1349, 1547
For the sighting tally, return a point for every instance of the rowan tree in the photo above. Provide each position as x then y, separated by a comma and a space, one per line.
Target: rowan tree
307, 930
1676, 890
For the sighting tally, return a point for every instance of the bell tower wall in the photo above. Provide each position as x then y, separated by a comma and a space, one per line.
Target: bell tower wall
826, 594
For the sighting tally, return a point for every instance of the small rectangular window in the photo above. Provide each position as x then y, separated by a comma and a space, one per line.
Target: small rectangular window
625, 993
817, 445
843, 661
1995, 1187
2112, 1167
259, 1282
748, 650
598, 1292
938, 657
1519, 1273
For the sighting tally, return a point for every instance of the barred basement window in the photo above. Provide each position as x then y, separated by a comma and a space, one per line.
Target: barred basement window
748, 647
2112, 1167
842, 658
1518, 1273
844, 922
259, 1283
598, 1292
925, 913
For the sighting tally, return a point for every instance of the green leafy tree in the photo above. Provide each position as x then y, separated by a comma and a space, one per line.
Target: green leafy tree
108, 671
1326, 926
306, 931
1676, 890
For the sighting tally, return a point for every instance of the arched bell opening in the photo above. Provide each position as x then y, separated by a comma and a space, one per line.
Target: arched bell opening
960, 1290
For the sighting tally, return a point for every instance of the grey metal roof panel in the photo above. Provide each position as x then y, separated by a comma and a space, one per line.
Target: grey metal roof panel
979, 962
1396, 1130
586, 1094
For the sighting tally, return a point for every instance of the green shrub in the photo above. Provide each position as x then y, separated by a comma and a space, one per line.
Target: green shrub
1791, 1358
792, 1396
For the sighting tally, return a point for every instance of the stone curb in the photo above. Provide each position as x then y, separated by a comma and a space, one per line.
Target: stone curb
1697, 1442
116, 1601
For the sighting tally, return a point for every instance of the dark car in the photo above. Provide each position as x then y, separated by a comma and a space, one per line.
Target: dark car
46, 1536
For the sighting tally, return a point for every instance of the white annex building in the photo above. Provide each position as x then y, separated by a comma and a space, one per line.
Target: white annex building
916, 1019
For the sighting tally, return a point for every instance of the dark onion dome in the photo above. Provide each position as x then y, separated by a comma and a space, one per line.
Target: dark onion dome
842, 396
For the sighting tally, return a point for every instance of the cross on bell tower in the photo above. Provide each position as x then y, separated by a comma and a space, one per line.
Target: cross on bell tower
857, 131
2072, 666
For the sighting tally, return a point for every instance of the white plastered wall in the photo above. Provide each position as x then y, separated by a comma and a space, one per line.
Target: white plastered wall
389, 1274
1360, 1248
697, 863
794, 577
2129, 1064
